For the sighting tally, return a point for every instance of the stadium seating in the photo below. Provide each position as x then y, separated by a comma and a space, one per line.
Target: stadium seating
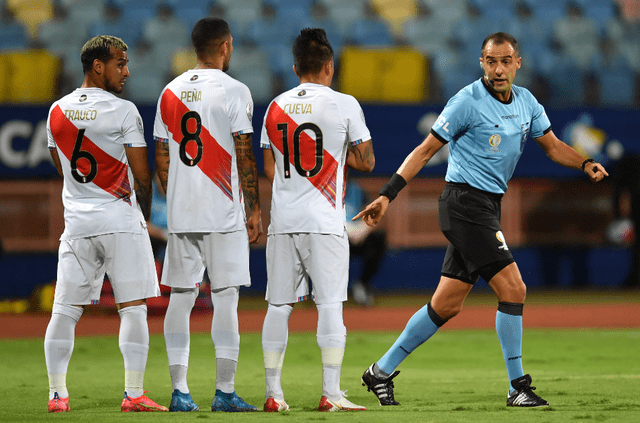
113, 23
5, 75
240, 14
395, 12
166, 32
271, 29
535, 23
31, 13
13, 36
367, 33
455, 79
427, 33
259, 81
384, 75
25, 82
613, 91
190, 15
145, 88
344, 14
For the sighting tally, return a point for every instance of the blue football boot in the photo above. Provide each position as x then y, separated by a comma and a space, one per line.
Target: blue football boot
182, 402
230, 403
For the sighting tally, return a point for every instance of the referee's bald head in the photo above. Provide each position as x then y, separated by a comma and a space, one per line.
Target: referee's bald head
500, 38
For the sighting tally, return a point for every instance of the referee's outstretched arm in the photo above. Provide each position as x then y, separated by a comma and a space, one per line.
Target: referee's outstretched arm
565, 155
415, 161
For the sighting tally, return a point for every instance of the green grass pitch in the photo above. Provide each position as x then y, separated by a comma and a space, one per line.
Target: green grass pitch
458, 376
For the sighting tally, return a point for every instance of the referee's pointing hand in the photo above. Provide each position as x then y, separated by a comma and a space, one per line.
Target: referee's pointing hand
374, 211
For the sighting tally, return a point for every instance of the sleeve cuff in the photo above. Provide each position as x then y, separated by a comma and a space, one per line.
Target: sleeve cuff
439, 137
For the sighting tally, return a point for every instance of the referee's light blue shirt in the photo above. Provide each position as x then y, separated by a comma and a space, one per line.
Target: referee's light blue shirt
486, 136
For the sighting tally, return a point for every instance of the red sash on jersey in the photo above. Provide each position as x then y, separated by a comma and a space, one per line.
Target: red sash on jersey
112, 174
216, 161
325, 180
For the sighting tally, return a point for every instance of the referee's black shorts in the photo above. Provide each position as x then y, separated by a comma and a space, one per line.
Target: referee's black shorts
470, 220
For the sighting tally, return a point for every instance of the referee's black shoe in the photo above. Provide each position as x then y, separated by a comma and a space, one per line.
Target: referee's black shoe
523, 395
382, 387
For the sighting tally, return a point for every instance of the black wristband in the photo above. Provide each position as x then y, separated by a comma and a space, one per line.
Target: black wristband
587, 161
393, 187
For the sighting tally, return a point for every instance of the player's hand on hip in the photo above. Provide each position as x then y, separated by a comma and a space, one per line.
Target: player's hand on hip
595, 171
254, 227
374, 211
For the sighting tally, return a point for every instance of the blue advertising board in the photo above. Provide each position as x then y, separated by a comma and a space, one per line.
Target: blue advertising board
395, 130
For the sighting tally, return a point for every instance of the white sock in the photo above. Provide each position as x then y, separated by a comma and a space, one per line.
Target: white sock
178, 374
275, 334
332, 338
58, 346
226, 374
177, 335
225, 336
134, 346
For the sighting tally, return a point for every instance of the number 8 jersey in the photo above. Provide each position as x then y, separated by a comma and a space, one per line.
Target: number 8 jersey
197, 114
309, 129
90, 128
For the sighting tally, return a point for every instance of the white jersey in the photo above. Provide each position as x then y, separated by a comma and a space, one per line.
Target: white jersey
90, 128
197, 114
309, 129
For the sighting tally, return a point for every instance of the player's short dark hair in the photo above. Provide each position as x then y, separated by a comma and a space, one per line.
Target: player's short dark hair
207, 33
311, 50
100, 48
500, 38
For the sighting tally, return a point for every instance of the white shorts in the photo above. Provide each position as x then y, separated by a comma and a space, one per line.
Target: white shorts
293, 259
126, 258
224, 255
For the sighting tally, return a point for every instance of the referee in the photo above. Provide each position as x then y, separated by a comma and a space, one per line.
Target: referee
486, 125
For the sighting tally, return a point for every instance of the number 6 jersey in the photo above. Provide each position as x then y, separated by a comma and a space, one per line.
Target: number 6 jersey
90, 128
197, 114
309, 129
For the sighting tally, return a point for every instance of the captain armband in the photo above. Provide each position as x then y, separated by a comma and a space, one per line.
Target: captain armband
393, 187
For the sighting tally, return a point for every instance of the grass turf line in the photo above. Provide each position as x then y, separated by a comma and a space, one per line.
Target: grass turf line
457, 376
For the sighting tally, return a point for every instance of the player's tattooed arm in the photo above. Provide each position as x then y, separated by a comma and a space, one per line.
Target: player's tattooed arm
139, 164
361, 157
162, 162
248, 171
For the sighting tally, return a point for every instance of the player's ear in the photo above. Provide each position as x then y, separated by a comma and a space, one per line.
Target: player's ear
295, 71
98, 66
328, 66
224, 48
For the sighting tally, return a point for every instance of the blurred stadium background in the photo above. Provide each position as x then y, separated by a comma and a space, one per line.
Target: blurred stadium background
402, 59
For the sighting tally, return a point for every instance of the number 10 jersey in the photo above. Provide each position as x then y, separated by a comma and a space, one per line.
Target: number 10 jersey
309, 129
197, 114
90, 128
